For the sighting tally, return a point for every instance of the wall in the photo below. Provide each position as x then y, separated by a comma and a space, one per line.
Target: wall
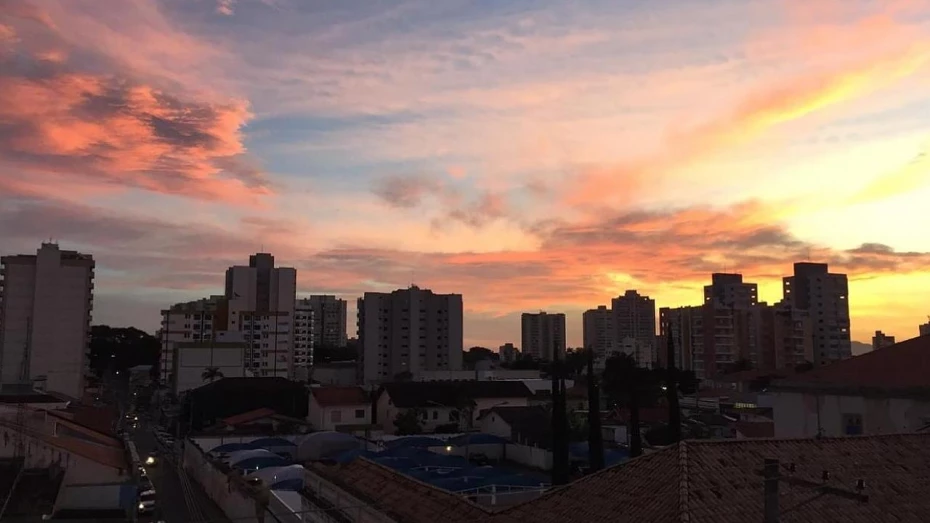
335, 374
322, 417
335, 496
803, 415
41, 454
228, 496
533, 457
192, 361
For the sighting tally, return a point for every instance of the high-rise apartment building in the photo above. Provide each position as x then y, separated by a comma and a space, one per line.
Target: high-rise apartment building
826, 296
543, 335
783, 336
328, 324
261, 301
508, 353
729, 290
598, 332
45, 313
881, 340
193, 321
686, 326
634, 318
408, 330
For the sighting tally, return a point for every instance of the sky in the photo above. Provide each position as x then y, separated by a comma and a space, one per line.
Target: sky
531, 156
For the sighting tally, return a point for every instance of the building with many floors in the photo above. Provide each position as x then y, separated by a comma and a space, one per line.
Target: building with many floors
45, 313
598, 331
508, 353
543, 334
924, 329
189, 322
826, 295
635, 318
329, 319
408, 330
261, 301
881, 340
729, 290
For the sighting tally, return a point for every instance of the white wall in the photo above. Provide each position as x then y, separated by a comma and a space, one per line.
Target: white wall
192, 361
41, 454
802, 415
322, 418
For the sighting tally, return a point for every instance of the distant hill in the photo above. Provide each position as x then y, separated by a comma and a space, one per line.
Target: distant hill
859, 347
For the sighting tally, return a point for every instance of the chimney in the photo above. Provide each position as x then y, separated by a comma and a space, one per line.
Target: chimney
771, 473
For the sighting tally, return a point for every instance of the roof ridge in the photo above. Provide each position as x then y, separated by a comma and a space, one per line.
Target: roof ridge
684, 487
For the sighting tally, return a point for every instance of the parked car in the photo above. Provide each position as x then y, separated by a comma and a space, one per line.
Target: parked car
147, 501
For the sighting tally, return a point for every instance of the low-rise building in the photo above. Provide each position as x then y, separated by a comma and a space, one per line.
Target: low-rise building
881, 340
197, 363
339, 408
439, 404
880, 392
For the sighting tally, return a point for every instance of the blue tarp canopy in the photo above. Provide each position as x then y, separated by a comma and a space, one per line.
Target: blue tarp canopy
479, 438
321, 445
239, 455
273, 442
261, 462
226, 448
281, 478
415, 441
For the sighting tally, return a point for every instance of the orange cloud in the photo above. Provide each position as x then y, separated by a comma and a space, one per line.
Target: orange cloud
110, 130
788, 100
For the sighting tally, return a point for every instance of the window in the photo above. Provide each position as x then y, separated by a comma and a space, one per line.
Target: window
335, 416
852, 424
359, 413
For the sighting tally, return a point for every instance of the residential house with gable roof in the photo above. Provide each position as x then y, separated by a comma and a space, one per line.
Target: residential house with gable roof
339, 408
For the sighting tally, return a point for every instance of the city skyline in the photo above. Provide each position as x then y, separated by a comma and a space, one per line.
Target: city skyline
531, 156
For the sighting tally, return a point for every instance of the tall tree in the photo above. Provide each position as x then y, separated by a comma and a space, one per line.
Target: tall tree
559, 424
629, 386
595, 437
671, 391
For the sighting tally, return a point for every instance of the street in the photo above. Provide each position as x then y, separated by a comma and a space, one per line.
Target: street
179, 498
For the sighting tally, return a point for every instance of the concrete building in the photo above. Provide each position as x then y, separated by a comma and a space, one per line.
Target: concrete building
924, 329
881, 340
303, 339
261, 305
193, 321
329, 319
685, 325
408, 330
508, 353
826, 296
193, 360
634, 317
784, 336
339, 408
644, 353
880, 392
45, 313
598, 332
543, 335
729, 290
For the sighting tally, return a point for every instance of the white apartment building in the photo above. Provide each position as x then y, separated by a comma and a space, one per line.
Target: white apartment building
193, 359
194, 321
543, 334
598, 332
261, 305
303, 339
408, 330
826, 296
45, 313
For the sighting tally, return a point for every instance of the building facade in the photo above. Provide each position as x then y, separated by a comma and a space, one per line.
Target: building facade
197, 363
729, 290
46, 301
508, 353
408, 330
634, 317
261, 300
543, 335
881, 340
321, 321
187, 322
784, 337
598, 332
685, 325
924, 330
826, 296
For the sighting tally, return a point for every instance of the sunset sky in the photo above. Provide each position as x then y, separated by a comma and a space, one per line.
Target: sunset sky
527, 154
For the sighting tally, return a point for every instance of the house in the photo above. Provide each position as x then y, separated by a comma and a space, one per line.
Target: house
339, 408
207, 405
694, 481
262, 421
530, 425
886, 391
446, 405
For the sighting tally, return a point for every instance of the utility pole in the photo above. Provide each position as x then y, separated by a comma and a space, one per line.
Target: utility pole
771, 471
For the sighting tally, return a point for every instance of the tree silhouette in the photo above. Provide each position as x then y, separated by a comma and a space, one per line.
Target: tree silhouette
630, 386
671, 392
595, 437
409, 422
211, 374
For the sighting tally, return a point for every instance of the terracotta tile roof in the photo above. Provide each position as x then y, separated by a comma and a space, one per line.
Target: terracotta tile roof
401, 497
755, 429
337, 396
717, 482
901, 366
247, 417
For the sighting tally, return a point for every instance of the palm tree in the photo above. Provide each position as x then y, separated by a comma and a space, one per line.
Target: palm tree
211, 374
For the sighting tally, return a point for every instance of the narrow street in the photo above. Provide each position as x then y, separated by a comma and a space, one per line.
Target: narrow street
179, 498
